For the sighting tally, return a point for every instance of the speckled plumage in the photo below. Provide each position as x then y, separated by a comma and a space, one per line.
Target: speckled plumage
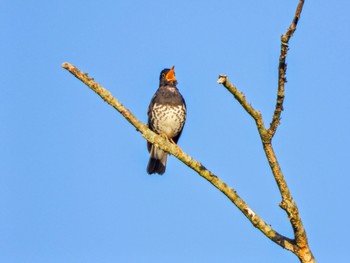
166, 116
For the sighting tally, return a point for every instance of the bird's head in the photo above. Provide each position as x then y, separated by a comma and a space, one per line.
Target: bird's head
167, 76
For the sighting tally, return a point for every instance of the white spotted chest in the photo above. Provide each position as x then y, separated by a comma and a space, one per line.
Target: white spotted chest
168, 119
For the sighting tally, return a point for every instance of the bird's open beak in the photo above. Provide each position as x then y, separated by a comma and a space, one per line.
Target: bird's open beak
170, 76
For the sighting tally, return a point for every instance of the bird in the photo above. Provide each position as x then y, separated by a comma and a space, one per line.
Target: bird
166, 116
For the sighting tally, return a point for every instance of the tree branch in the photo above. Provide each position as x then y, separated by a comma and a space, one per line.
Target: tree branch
288, 204
162, 143
282, 69
301, 247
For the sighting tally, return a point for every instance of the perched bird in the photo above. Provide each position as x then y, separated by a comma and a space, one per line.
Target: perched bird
166, 116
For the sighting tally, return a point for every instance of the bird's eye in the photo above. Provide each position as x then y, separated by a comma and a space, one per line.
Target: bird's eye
163, 74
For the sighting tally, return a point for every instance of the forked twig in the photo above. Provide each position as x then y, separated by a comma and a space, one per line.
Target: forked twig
301, 247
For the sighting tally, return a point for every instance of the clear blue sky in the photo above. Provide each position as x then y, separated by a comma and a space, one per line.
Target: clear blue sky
73, 182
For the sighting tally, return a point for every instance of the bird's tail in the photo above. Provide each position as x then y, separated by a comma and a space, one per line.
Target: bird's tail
157, 161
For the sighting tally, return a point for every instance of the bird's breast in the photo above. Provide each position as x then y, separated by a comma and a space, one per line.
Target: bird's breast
168, 119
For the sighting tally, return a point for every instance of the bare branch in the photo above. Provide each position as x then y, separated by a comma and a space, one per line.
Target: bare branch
282, 69
162, 143
301, 247
288, 204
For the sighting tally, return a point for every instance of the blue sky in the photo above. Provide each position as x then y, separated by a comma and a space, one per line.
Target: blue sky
73, 182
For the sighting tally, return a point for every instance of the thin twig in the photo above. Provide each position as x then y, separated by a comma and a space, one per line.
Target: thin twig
239, 96
152, 137
282, 69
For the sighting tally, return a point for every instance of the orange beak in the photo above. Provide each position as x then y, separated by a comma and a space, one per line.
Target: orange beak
170, 76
